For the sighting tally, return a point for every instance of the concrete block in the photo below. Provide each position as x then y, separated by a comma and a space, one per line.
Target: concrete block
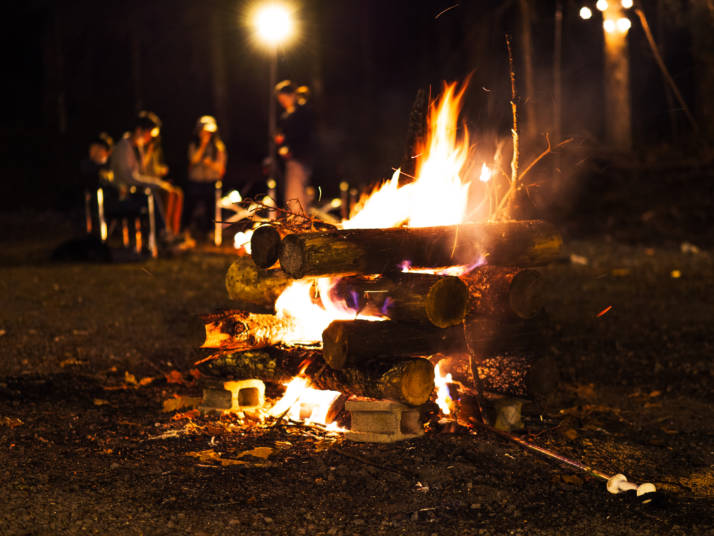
382, 421
241, 395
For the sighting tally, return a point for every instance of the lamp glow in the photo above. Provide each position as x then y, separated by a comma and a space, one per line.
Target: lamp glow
274, 24
627, 4
623, 24
601, 5
609, 25
585, 13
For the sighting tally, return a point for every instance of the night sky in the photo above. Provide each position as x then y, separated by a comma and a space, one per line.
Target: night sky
365, 61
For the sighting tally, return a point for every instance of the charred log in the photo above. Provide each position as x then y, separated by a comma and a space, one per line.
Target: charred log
247, 283
409, 381
522, 375
352, 343
504, 292
406, 297
379, 251
265, 246
241, 330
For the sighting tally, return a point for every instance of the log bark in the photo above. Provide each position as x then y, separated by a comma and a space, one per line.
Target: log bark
486, 335
524, 375
265, 246
351, 343
504, 292
409, 381
406, 297
379, 251
241, 330
246, 282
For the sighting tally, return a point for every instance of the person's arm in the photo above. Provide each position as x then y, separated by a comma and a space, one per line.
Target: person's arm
195, 154
126, 168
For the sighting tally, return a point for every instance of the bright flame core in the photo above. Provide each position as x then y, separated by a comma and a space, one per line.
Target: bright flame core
303, 403
443, 398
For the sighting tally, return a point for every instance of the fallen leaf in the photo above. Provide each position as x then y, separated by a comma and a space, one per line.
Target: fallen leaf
573, 480
571, 434
676, 274
11, 422
146, 381
71, 361
190, 414
174, 376
130, 378
100, 402
179, 402
258, 452
654, 394
620, 272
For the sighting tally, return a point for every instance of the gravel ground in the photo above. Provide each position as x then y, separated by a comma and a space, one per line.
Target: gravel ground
86, 448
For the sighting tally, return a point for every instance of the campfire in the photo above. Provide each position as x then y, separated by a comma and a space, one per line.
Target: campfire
420, 296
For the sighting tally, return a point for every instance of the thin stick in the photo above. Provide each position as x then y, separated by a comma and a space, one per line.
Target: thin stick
547, 453
665, 72
514, 111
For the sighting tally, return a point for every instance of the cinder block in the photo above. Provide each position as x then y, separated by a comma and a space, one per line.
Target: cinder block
382, 421
242, 395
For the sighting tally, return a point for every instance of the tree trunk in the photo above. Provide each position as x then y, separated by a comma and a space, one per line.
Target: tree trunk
247, 283
379, 251
241, 330
504, 292
265, 246
348, 343
409, 381
406, 297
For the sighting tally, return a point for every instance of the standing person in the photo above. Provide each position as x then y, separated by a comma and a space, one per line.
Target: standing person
294, 145
206, 165
129, 165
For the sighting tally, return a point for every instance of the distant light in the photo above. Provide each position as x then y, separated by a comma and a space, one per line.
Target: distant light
234, 197
627, 4
585, 13
274, 24
609, 25
601, 5
272, 184
623, 25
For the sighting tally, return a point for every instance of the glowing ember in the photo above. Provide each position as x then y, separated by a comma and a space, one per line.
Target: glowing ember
486, 173
303, 403
443, 399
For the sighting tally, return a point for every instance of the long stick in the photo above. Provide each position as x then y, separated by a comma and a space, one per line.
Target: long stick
514, 110
665, 72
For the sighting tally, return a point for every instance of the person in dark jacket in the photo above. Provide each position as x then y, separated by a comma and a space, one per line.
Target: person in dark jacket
295, 145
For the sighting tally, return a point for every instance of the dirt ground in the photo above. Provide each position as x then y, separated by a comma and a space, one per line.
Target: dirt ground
85, 448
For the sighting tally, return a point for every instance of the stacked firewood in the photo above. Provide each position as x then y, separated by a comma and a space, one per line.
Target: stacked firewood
481, 325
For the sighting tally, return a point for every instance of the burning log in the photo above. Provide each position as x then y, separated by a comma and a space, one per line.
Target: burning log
407, 297
265, 246
522, 375
248, 283
348, 343
409, 381
241, 330
379, 251
277, 364
504, 292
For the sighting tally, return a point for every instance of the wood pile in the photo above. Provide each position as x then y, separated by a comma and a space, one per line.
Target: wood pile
486, 321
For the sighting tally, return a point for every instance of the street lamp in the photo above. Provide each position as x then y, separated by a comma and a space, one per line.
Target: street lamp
274, 27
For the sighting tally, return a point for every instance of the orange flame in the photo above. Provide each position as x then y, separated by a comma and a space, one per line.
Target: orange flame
443, 398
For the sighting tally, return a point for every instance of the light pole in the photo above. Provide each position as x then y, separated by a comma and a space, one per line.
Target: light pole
274, 27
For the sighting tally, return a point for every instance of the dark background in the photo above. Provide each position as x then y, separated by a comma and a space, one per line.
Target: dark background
73, 69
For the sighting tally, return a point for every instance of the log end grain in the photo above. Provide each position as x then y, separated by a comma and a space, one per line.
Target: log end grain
417, 382
335, 345
526, 293
265, 246
292, 257
446, 302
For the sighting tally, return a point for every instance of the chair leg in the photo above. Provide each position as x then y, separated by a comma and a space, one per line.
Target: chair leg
103, 234
88, 211
153, 249
218, 224
125, 240
138, 242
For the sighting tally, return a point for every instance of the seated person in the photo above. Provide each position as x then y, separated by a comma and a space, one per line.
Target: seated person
95, 172
129, 164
